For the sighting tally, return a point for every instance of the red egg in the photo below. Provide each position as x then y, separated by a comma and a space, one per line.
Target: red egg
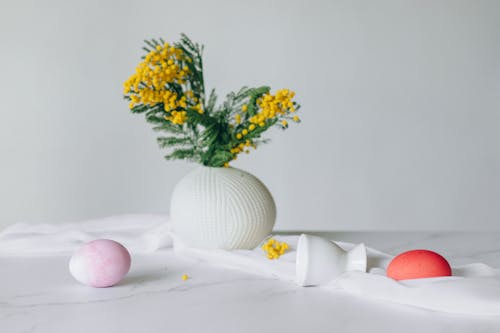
418, 264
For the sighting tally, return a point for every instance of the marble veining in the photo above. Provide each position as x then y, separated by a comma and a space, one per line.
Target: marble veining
39, 295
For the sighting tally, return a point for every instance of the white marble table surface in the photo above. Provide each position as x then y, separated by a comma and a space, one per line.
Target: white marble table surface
39, 295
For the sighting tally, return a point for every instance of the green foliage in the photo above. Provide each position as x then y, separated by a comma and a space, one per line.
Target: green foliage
169, 141
195, 52
200, 130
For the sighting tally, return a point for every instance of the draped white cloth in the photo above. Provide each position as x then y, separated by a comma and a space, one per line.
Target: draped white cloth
473, 289
138, 233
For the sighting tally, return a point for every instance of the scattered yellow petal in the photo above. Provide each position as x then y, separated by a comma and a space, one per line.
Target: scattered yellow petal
274, 249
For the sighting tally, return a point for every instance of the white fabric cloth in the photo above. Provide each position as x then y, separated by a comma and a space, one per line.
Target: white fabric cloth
473, 289
138, 233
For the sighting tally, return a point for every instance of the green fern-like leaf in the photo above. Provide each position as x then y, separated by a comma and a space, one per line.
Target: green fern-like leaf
166, 142
181, 154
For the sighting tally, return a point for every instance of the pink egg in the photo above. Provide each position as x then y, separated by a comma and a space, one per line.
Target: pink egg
100, 263
418, 264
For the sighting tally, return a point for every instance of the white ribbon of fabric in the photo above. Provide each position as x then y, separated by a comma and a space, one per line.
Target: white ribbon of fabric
473, 289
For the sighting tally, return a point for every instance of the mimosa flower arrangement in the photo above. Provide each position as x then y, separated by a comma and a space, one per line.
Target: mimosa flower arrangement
168, 87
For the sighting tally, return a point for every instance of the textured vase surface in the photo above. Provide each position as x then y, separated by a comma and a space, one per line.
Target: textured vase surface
222, 208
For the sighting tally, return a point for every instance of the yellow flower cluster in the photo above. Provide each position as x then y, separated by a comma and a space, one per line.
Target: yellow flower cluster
198, 108
245, 131
241, 147
273, 106
274, 249
270, 107
148, 85
151, 97
177, 117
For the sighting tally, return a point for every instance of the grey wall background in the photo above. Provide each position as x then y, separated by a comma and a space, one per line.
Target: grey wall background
401, 108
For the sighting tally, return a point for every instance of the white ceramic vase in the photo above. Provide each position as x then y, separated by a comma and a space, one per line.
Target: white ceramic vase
222, 208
